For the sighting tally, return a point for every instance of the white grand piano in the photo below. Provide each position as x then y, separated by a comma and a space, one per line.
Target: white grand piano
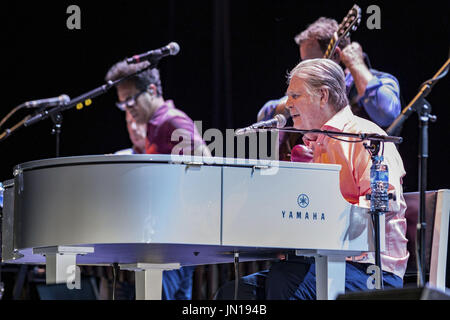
150, 213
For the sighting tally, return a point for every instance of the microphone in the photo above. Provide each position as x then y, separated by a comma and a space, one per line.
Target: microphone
154, 55
49, 102
279, 121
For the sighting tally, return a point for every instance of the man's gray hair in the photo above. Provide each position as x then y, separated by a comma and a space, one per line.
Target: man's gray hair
323, 73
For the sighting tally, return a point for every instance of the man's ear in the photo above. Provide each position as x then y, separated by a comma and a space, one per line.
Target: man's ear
337, 55
324, 96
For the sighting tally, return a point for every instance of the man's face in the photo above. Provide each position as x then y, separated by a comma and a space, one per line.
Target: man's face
137, 132
305, 109
140, 110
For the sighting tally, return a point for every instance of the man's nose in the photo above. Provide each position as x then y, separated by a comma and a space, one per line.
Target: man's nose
289, 106
288, 103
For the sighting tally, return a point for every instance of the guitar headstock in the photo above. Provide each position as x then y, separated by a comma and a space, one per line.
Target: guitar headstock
349, 24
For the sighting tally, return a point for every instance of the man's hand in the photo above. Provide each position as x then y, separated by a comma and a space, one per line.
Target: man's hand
301, 153
352, 55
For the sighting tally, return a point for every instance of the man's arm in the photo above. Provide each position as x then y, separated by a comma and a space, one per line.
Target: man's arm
271, 108
378, 94
352, 57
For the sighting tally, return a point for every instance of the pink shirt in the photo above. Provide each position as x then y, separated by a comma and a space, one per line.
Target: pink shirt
355, 182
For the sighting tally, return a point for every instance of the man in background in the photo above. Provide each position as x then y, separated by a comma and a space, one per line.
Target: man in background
141, 96
151, 123
372, 94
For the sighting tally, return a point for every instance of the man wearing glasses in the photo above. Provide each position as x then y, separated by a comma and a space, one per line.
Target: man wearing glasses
151, 121
141, 97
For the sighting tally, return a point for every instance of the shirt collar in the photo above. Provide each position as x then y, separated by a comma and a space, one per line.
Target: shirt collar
339, 120
168, 104
336, 123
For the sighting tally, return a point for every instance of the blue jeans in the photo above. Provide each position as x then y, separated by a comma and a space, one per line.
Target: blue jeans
296, 279
355, 280
177, 284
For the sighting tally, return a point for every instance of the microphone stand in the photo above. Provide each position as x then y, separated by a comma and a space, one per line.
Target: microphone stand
423, 109
360, 136
56, 112
376, 207
417, 103
57, 125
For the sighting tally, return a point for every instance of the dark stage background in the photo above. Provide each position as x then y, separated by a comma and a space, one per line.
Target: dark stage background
234, 57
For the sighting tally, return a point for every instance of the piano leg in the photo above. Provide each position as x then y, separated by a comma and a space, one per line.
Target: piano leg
148, 278
330, 276
60, 262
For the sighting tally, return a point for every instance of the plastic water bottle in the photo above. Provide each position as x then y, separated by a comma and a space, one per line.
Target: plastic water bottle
379, 184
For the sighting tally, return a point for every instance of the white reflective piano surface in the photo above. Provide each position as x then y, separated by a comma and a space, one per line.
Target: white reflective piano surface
178, 209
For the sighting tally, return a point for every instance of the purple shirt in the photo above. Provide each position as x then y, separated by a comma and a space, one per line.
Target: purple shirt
170, 127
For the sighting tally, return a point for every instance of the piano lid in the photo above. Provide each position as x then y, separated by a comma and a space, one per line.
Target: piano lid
167, 158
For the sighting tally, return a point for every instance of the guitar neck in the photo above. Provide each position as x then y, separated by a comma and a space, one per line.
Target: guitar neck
350, 23
331, 47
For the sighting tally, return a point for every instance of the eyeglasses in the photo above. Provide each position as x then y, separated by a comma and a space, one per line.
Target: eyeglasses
129, 102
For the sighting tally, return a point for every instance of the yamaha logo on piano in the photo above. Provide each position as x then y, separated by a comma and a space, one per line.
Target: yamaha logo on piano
303, 202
